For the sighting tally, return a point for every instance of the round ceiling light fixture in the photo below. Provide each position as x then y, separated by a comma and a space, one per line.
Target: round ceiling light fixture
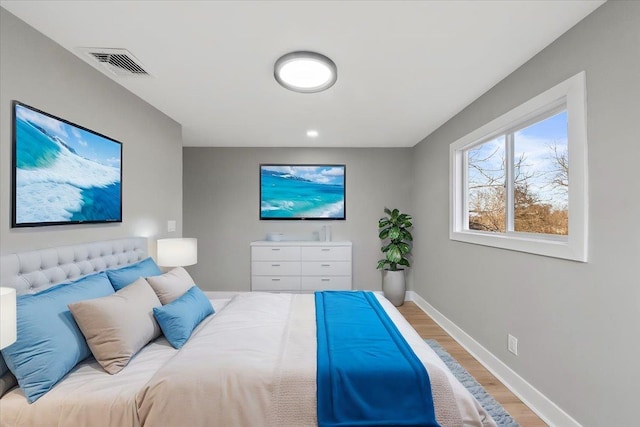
305, 72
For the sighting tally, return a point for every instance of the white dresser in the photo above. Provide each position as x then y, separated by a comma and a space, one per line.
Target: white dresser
300, 266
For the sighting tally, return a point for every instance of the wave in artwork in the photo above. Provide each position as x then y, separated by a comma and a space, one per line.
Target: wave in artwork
302, 192
64, 174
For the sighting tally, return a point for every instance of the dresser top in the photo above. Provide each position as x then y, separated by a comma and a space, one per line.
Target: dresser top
300, 243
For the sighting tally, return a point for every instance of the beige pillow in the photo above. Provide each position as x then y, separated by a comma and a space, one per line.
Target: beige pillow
172, 285
119, 325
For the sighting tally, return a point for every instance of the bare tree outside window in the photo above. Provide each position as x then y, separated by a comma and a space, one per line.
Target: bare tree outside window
486, 186
540, 180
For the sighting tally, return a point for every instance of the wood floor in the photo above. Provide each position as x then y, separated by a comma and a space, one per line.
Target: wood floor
428, 329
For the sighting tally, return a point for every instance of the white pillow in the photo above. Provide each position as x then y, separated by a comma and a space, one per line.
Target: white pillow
172, 285
118, 326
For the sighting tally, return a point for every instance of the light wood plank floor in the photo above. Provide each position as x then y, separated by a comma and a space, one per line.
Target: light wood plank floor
428, 329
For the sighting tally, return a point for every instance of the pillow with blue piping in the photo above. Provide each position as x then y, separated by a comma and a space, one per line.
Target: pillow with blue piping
180, 317
49, 342
125, 276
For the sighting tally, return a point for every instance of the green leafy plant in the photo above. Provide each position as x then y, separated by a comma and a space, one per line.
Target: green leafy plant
396, 238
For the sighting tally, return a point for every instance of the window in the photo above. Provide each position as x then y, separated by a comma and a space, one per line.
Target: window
519, 182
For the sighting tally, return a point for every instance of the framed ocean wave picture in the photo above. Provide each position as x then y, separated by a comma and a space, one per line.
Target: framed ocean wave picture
302, 192
62, 173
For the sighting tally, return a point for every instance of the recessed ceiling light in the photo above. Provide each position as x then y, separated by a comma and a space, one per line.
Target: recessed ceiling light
305, 72
312, 133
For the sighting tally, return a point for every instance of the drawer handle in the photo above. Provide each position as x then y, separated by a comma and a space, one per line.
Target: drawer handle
325, 280
275, 280
275, 265
325, 265
326, 250
275, 249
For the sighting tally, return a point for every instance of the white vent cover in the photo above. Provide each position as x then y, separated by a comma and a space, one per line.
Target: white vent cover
118, 61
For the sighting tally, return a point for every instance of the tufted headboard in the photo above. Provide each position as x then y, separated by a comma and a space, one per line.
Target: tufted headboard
35, 271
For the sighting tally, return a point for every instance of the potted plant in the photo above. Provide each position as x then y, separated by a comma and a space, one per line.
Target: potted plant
396, 238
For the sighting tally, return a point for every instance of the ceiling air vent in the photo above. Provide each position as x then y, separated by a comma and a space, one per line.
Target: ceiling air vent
118, 61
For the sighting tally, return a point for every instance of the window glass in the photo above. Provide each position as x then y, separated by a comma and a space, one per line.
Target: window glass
510, 183
541, 177
486, 196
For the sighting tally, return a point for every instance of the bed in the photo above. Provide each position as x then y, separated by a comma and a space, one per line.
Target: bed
251, 363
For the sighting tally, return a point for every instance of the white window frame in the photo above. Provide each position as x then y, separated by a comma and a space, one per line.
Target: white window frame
572, 94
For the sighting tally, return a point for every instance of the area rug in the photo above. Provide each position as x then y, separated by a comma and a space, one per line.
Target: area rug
497, 412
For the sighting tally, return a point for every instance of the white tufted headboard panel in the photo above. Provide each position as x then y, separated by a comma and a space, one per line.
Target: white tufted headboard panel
35, 271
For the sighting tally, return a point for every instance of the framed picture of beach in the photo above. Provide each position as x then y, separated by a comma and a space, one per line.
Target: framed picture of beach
62, 173
302, 192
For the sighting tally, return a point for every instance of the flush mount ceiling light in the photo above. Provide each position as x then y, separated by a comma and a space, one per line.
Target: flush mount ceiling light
305, 72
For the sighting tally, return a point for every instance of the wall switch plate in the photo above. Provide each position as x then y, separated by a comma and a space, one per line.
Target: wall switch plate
513, 344
171, 225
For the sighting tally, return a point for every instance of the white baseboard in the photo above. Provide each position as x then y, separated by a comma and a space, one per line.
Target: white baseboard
539, 403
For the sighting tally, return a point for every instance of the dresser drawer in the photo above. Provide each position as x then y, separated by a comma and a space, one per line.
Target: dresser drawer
284, 283
326, 268
275, 253
275, 268
326, 253
335, 283
304, 267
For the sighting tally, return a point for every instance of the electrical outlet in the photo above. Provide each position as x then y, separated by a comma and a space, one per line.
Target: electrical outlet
171, 226
513, 344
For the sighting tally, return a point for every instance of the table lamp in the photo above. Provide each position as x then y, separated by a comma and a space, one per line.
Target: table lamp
178, 252
7, 317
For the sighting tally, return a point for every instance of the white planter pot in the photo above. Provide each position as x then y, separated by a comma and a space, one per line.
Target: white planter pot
393, 286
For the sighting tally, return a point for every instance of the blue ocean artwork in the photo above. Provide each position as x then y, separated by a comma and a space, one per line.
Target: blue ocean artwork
64, 173
302, 192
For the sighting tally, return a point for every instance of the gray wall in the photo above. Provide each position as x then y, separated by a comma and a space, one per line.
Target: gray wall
40, 73
221, 207
577, 324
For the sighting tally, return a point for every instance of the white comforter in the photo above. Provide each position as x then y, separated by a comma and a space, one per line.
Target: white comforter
252, 364
255, 365
89, 396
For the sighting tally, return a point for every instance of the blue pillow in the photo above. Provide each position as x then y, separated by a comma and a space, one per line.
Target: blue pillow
127, 275
180, 317
49, 341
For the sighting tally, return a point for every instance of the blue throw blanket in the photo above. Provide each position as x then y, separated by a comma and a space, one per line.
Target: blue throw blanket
367, 373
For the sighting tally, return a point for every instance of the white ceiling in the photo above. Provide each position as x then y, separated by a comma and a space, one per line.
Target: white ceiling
404, 68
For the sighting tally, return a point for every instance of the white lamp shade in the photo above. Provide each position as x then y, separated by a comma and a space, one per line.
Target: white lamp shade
7, 317
177, 252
